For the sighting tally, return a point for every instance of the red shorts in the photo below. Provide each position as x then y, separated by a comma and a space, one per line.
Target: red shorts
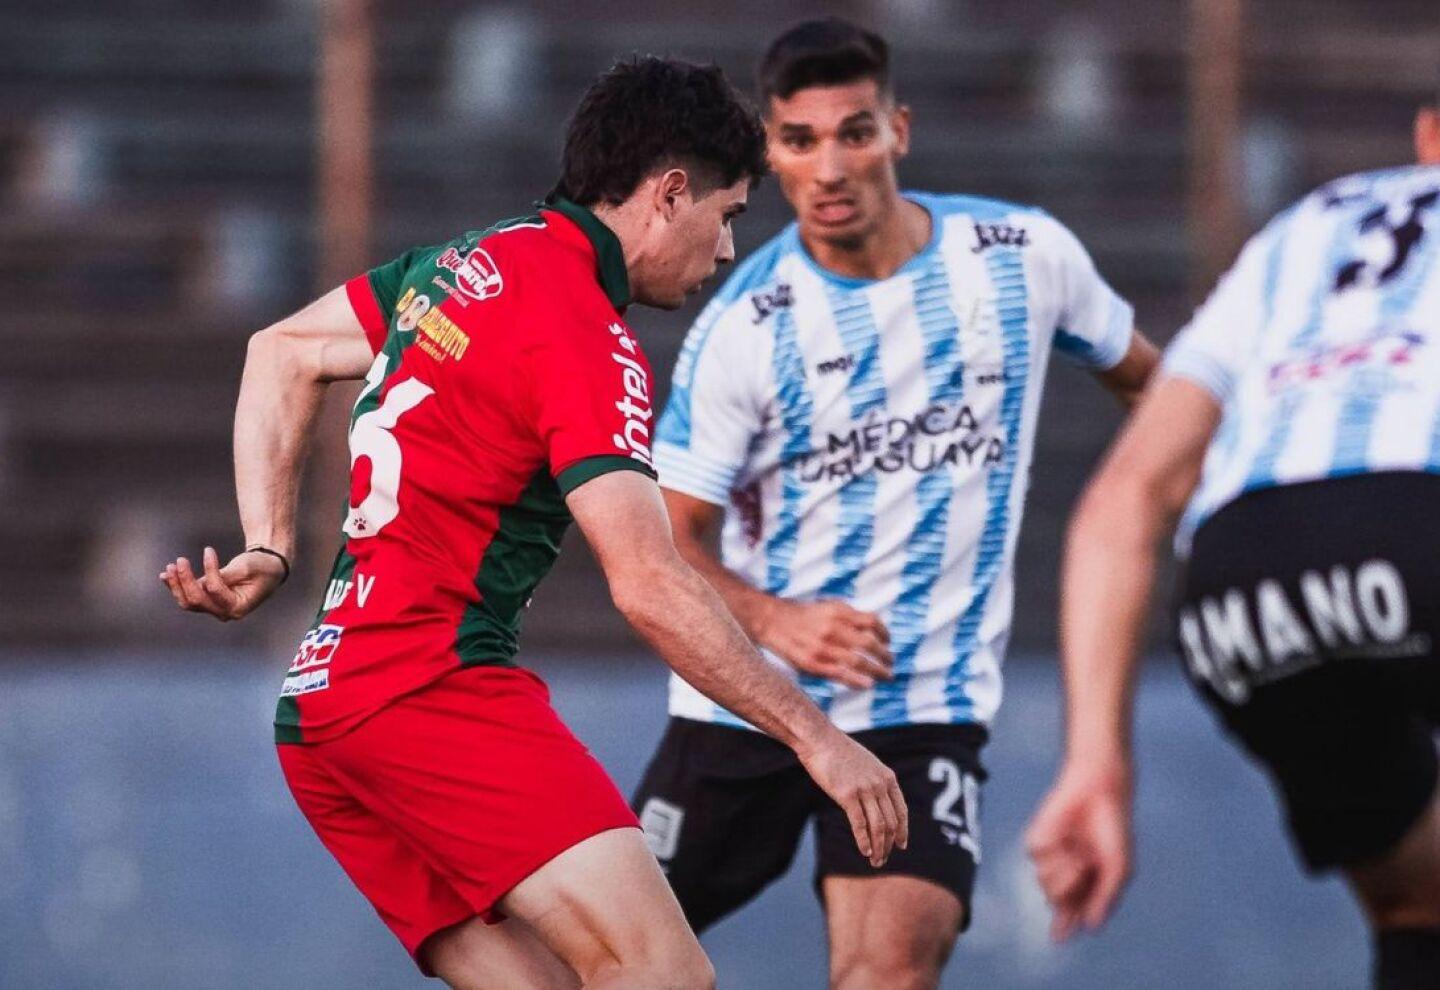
440, 803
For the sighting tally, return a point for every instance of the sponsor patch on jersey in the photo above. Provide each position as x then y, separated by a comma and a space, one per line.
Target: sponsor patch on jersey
768, 303
988, 235
476, 273
441, 337
306, 683
317, 647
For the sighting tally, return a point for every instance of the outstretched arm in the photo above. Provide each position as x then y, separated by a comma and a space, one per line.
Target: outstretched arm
826, 638
680, 615
1080, 837
287, 368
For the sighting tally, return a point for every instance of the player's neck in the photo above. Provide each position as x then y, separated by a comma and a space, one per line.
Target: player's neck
903, 231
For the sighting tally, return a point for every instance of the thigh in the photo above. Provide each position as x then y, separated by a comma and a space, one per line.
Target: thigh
940, 774
603, 904
411, 896
889, 930
478, 772
508, 955
723, 810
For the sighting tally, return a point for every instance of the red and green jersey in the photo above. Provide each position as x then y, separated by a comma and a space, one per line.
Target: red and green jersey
504, 378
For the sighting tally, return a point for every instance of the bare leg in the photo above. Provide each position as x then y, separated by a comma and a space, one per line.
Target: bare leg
475, 956
889, 931
1402, 888
604, 908
1400, 893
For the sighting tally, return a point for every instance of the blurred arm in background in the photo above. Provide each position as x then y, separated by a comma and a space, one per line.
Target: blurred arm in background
1127, 380
680, 615
287, 368
826, 638
1080, 838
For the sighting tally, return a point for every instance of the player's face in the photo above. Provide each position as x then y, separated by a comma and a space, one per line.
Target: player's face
834, 150
696, 240
1427, 136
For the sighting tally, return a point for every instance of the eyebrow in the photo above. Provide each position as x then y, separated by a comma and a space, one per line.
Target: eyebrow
859, 117
737, 209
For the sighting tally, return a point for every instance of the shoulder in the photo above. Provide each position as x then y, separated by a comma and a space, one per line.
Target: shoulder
523, 262
979, 222
754, 290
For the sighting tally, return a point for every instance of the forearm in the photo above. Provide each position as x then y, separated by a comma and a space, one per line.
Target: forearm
1105, 589
685, 620
752, 608
274, 415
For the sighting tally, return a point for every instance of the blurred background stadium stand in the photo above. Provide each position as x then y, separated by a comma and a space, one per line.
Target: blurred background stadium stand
158, 161
159, 202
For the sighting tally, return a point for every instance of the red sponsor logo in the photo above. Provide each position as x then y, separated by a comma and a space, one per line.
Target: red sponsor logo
476, 274
1387, 349
317, 647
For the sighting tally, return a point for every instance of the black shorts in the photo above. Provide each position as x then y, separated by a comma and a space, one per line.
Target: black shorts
723, 810
1308, 620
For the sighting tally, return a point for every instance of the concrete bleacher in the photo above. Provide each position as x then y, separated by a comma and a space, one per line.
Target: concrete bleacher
157, 204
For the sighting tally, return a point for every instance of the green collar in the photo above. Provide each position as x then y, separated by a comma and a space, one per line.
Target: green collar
609, 257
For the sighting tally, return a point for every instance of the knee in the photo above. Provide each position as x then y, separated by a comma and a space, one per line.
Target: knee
914, 967
669, 970
1407, 906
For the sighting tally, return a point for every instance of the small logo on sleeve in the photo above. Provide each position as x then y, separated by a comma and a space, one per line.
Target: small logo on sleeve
634, 438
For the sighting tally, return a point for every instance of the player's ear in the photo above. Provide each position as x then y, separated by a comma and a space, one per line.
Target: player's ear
1427, 136
900, 127
673, 185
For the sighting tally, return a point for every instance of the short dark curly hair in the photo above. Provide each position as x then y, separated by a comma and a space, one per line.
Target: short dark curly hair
827, 51
646, 113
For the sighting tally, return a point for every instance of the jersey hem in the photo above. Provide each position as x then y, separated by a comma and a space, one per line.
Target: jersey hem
288, 735
591, 468
367, 309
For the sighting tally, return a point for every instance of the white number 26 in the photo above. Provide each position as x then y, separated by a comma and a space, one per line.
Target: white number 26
370, 437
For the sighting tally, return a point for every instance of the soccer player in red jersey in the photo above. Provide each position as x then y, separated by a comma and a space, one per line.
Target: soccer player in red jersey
505, 395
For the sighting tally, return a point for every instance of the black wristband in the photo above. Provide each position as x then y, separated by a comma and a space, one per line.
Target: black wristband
257, 548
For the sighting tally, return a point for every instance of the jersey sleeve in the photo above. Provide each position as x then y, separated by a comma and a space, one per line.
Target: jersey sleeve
1211, 349
712, 416
374, 294
590, 390
1094, 324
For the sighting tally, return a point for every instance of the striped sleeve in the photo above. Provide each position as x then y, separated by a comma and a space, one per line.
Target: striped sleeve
1211, 349
713, 415
1095, 324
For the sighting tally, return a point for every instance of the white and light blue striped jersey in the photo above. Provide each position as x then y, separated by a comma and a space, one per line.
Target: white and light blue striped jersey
871, 440
1322, 344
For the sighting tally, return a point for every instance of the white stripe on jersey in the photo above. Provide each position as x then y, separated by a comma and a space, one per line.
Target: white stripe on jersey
872, 440
1323, 343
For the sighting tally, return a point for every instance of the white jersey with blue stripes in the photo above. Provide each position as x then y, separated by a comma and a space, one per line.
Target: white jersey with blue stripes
1322, 344
871, 440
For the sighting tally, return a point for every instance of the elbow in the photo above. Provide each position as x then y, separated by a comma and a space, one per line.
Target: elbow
280, 354
644, 592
